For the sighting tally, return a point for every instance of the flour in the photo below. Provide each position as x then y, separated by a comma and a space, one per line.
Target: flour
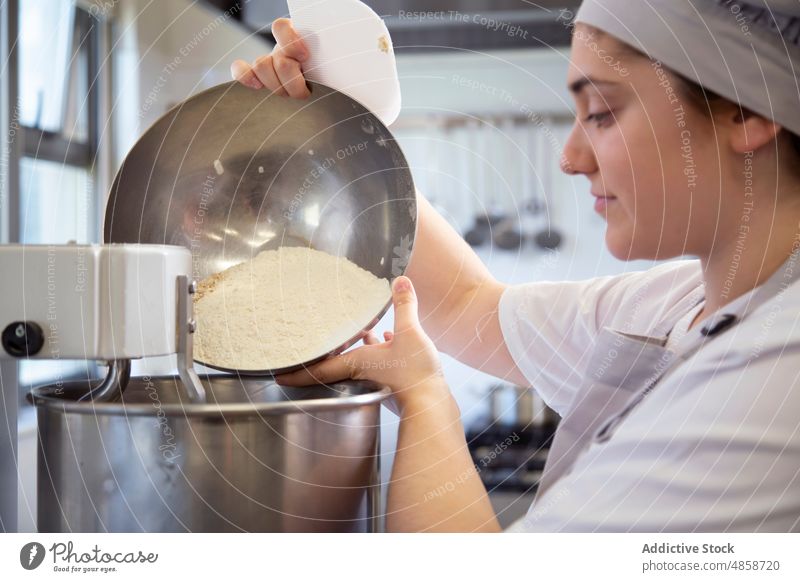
283, 307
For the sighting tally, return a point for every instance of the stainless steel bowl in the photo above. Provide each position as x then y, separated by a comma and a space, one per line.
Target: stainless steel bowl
232, 171
256, 457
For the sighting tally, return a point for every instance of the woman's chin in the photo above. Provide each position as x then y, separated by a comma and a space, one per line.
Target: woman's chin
625, 248
615, 246
621, 247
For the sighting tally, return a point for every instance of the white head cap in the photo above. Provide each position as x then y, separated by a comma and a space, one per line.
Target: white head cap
745, 50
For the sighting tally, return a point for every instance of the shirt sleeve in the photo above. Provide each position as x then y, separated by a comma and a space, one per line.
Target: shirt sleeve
550, 328
715, 448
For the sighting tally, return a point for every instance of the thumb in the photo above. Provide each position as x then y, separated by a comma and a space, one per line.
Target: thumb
405, 305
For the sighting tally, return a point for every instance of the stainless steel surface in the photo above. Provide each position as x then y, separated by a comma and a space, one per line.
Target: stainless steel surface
323, 172
185, 329
255, 457
110, 389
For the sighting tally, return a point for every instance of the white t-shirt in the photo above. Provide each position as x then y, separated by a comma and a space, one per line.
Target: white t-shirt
714, 447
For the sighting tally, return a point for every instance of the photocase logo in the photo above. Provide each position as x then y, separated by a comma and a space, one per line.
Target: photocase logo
31, 555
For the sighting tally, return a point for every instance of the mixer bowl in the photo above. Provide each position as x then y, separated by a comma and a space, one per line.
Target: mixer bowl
256, 457
232, 172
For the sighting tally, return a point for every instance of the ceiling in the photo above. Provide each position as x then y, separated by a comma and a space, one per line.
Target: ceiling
440, 25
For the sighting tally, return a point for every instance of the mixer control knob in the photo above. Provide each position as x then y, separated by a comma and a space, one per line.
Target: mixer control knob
192, 287
23, 339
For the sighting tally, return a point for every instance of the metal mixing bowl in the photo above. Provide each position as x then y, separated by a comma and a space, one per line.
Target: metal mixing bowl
256, 457
232, 171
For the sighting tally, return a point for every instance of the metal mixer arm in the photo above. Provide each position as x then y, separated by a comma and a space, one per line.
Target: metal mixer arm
185, 329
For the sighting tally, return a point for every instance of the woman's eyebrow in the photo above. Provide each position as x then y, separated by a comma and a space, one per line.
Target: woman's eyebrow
577, 86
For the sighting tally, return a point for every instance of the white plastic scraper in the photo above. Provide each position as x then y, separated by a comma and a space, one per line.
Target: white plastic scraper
351, 51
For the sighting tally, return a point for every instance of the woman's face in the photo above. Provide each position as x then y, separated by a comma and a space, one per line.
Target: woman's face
642, 145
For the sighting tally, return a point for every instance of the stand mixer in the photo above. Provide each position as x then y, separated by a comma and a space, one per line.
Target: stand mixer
111, 303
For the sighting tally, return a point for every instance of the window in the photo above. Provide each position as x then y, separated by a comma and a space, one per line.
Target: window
46, 30
59, 117
57, 202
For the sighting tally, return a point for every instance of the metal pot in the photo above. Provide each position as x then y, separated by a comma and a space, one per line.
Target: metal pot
256, 457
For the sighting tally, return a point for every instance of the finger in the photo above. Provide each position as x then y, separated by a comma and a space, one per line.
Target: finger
291, 76
264, 70
387, 336
370, 339
242, 72
405, 305
288, 40
327, 371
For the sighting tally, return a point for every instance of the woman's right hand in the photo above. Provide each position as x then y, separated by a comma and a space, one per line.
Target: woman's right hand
280, 70
407, 362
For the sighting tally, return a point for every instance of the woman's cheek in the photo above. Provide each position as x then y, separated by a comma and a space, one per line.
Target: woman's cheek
615, 162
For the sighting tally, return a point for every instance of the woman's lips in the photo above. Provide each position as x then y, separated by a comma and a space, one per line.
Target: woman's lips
601, 203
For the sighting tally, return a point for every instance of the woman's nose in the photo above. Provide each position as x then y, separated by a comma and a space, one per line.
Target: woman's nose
566, 165
577, 156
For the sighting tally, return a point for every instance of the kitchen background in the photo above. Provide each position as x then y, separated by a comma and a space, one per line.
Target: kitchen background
485, 115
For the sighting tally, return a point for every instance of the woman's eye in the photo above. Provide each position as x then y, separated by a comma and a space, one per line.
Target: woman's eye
600, 119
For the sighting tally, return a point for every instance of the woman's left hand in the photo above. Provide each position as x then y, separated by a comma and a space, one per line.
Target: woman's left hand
407, 361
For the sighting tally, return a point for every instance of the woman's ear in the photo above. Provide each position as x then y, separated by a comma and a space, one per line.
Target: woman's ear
751, 131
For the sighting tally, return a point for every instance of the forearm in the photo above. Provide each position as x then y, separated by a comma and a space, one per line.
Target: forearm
458, 298
445, 271
434, 485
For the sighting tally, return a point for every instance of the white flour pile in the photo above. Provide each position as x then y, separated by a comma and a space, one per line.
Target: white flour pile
283, 307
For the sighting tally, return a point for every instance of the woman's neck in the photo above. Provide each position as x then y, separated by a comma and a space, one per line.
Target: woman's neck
761, 244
